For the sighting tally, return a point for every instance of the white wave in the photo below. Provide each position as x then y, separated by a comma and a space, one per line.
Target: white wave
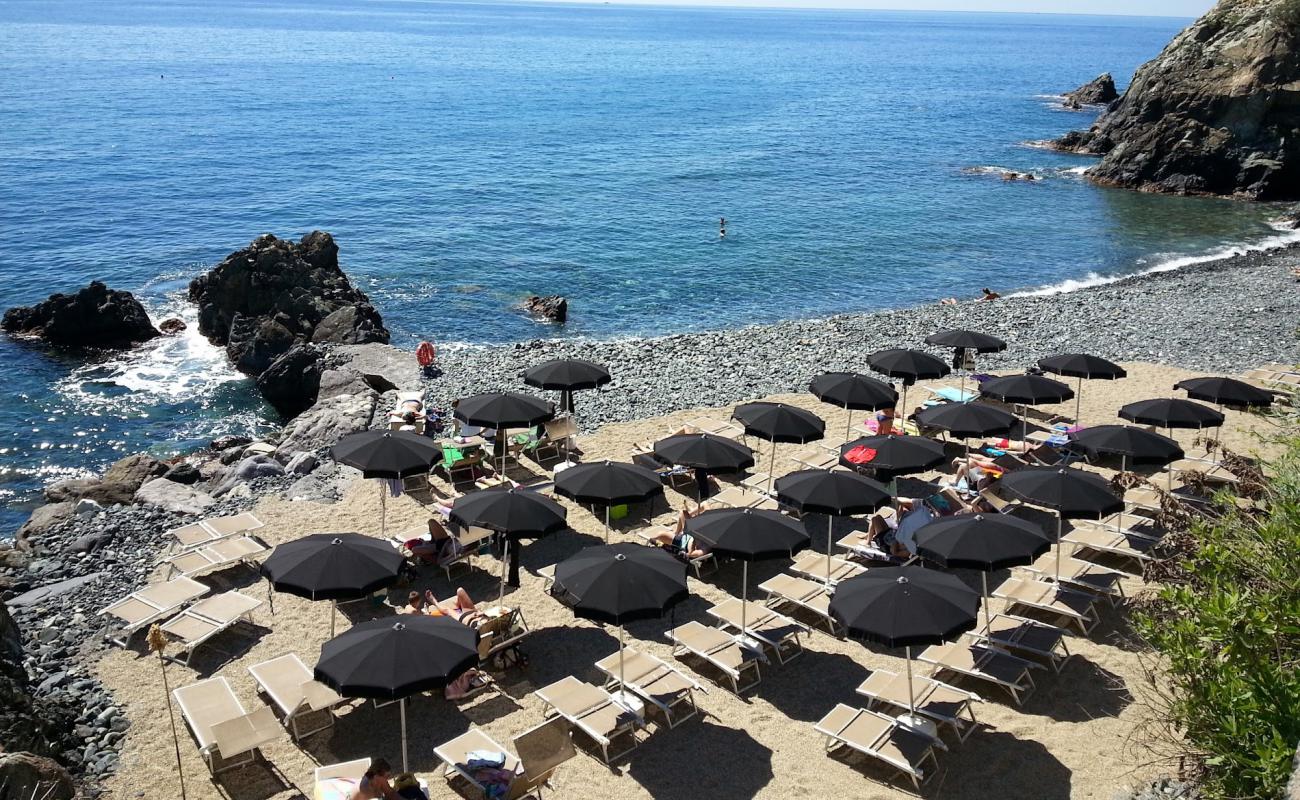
1076, 170
1168, 264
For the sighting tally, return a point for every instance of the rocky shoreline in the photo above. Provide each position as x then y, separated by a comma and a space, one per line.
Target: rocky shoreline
1223, 315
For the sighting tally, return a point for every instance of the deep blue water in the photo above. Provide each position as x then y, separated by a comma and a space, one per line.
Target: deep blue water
467, 154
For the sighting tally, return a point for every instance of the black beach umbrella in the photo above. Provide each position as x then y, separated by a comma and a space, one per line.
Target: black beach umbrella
1026, 390
1171, 412
502, 410
514, 513
567, 375
620, 583
1226, 392
909, 366
893, 455
704, 452
395, 657
1132, 445
967, 340
905, 607
778, 422
1071, 493
852, 391
966, 420
332, 566
608, 483
834, 493
388, 455
1081, 366
749, 535
984, 542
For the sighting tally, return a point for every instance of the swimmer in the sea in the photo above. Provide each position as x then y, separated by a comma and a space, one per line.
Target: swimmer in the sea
722, 228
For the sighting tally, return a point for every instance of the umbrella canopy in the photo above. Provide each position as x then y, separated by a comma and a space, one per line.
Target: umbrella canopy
705, 452
395, 657
908, 365
567, 374
1028, 390
332, 566
620, 583
1169, 412
838, 494
608, 483
967, 340
748, 534
1226, 392
891, 455
778, 422
853, 390
518, 513
966, 420
905, 606
503, 410
1071, 493
1082, 365
387, 454
985, 542
1136, 445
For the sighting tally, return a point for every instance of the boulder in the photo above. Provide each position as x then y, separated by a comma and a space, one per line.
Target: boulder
51, 590
1215, 113
24, 775
174, 497
134, 470
1290, 220
74, 489
254, 343
328, 421
172, 326
292, 381
383, 367
257, 466
95, 316
552, 308
227, 442
1100, 91
184, 473
356, 324
301, 463
43, 519
334, 382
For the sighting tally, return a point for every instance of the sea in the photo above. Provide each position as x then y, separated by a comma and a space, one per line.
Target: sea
465, 155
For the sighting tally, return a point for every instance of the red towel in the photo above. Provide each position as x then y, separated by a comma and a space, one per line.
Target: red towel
860, 455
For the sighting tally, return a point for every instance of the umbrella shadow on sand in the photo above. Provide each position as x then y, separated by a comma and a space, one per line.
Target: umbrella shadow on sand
259, 781
700, 763
579, 644
997, 764
1083, 691
364, 731
808, 687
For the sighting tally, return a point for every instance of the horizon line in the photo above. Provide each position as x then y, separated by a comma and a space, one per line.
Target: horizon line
790, 5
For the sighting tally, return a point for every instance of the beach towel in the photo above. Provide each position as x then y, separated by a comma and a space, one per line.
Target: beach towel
335, 789
860, 455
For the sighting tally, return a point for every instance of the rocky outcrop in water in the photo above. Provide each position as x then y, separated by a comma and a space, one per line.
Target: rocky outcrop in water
1216, 113
1099, 91
260, 300
95, 316
552, 308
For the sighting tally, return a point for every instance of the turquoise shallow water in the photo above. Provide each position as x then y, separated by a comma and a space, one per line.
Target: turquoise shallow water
467, 154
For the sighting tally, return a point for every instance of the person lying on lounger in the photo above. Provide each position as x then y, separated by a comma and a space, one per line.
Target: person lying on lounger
375, 783
441, 547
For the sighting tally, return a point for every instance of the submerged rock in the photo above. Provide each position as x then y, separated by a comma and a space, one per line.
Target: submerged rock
172, 325
1099, 91
95, 316
1216, 113
552, 308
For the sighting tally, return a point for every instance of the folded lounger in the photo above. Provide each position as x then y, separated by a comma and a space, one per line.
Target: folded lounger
880, 737
739, 664
946, 705
139, 610
593, 711
209, 617
290, 686
775, 632
654, 681
227, 735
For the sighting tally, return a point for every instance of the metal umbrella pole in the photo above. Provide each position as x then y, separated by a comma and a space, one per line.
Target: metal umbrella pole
505, 565
830, 523
848, 423
1078, 399
1119, 518
402, 703
607, 523
744, 597
334, 612
911, 692
771, 468
1059, 523
988, 619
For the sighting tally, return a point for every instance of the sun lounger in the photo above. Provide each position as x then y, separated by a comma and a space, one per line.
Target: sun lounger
470, 539
556, 439
141, 609
214, 557
948, 394
809, 595
720, 650
1142, 527
946, 705
815, 458
541, 750
650, 678
734, 497
1077, 574
880, 737
813, 566
338, 781
1024, 638
593, 711
1137, 549
757, 482
288, 683
729, 430
699, 564
975, 660
670, 475
209, 617
775, 632
227, 735
211, 530
1050, 598
499, 629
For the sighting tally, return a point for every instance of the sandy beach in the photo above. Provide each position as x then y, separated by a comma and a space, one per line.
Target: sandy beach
1074, 737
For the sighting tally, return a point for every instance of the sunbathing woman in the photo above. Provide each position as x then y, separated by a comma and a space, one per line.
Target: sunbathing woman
374, 785
414, 604
460, 608
679, 541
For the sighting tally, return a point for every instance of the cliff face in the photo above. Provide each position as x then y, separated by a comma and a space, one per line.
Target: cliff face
1218, 112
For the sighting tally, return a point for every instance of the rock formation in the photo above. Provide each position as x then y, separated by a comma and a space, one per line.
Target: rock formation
552, 308
24, 726
1216, 113
292, 381
1100, 91
96, 316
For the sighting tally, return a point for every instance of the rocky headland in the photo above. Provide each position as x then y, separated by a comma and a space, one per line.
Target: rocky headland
94, 316
1099, 91
1216, 113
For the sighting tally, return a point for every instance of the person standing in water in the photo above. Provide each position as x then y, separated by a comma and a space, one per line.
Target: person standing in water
722, 228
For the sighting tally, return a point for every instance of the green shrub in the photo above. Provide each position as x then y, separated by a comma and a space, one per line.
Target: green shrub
1228, 628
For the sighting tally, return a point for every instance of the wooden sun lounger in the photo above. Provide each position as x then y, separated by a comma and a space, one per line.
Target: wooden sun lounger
288, 683
222, 728
809, 595
214, 557
1138, 549
734, 497
975, 660
593, 711
879, 737
141, 609
1078, 574
812, 565
719, 649
338, 781
1050, 598
206, 531
654, 681
775, 632
541, 750
946, 705
1024, 637
209, 617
